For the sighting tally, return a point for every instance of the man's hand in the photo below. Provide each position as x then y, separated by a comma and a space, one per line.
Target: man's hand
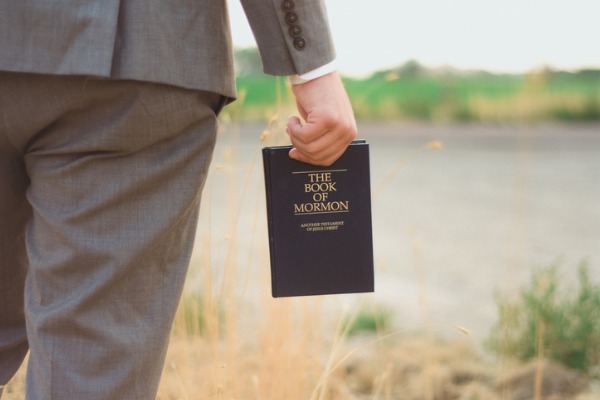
329, 125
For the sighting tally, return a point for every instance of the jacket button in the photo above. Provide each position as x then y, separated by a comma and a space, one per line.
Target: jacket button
295, 30
287, 5
299, 43
291, 18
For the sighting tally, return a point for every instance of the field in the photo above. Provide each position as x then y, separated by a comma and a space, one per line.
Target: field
412, 92
462, 212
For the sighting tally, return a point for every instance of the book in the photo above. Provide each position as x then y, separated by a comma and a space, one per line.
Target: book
319, 223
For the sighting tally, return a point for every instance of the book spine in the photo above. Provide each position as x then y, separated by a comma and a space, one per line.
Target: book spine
270, 228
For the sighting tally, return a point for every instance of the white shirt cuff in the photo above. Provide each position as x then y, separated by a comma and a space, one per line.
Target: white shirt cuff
314, 74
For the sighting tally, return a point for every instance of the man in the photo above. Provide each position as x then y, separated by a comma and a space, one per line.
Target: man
107, 125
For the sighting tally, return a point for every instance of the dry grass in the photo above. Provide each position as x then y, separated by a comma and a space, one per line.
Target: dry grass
526, 106
231, 340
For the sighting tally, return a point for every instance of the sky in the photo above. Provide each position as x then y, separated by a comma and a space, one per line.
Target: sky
499, 36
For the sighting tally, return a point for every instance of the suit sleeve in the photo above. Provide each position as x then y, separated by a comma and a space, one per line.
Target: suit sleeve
293, 36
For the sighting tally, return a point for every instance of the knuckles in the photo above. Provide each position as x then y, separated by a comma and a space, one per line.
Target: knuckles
311, 151
345, 126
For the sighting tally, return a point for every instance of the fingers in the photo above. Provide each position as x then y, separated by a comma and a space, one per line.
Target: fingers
330, 125
320, 141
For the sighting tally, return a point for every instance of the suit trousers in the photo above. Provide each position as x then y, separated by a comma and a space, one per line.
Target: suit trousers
100, 184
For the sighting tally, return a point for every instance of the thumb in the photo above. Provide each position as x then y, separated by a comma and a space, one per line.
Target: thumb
293, 125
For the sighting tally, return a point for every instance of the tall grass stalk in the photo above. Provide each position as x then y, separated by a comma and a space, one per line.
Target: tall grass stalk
230, 339
271, 349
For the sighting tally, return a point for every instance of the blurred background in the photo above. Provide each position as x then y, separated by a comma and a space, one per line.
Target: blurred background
484, 124
483, 119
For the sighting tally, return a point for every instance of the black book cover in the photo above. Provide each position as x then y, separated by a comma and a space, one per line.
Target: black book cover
319, 222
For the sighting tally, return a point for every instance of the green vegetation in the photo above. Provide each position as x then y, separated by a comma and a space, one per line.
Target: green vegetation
191, 314
370, 319
413, 92
553, 321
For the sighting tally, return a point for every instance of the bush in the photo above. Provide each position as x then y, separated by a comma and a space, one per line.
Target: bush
370, 319
552, 321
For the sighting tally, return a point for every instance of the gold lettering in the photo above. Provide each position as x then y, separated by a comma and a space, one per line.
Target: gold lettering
320, 187
331, 206
320, 197
320, 177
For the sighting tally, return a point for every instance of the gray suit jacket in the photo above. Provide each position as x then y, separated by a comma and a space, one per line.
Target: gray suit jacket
179, 42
